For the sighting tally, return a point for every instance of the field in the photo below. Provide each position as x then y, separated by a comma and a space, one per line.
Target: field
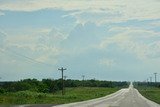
72, 95
150, 93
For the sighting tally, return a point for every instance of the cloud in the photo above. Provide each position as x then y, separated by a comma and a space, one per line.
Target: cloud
96, 16
29, 43
107, 62
155, 24
85, 33
140, 42
2, 14
2, 38
33, 5
34, 38
99, 12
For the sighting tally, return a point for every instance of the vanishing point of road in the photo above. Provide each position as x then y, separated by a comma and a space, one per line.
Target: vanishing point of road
128, 97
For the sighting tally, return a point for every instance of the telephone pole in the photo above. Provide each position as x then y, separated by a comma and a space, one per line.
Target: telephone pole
83, 80
64, 83
62, 69
150, 79
155, 77
147, 80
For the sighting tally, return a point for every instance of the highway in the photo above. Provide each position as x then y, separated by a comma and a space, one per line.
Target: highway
128, 97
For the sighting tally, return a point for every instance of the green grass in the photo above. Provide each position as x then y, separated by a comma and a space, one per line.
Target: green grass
151, 93
72, 95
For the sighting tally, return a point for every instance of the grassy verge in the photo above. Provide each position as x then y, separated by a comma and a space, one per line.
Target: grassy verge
72, 95
150, 93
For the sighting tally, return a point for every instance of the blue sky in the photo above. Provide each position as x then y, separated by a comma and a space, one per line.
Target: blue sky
102, 39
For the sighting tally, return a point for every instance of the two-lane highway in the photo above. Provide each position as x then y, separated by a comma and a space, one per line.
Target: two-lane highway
128, 97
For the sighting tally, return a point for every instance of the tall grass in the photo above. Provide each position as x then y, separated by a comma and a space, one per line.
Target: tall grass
72, 95
151, 93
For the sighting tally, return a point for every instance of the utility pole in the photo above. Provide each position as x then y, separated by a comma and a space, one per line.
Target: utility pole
155, 77
150, 79
147, 80
83, 76
64, 83
62, 69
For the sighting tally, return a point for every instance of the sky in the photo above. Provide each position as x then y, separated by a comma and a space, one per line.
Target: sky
115, 40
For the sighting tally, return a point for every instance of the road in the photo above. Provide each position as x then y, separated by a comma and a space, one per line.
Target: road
129, 97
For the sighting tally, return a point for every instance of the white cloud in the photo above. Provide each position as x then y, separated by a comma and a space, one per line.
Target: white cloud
32, 5
155, 24
144, 44
36, 38
31, 44
107, 62
2, 38
2, 14
98, 11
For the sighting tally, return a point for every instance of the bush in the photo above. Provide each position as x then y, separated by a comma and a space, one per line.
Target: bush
2, 90
51, 86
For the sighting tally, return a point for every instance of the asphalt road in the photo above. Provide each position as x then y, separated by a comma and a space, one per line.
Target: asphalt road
128, 97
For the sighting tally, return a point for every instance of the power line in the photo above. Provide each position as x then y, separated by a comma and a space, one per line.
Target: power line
26, 60
25, 57
21, 55
29, 58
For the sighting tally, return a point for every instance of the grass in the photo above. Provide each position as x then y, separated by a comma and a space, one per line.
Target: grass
72, 95
151, 93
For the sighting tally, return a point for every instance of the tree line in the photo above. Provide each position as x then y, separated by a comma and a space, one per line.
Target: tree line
51, 86
147, 84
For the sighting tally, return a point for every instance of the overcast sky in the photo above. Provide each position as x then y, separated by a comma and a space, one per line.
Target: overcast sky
101, 39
